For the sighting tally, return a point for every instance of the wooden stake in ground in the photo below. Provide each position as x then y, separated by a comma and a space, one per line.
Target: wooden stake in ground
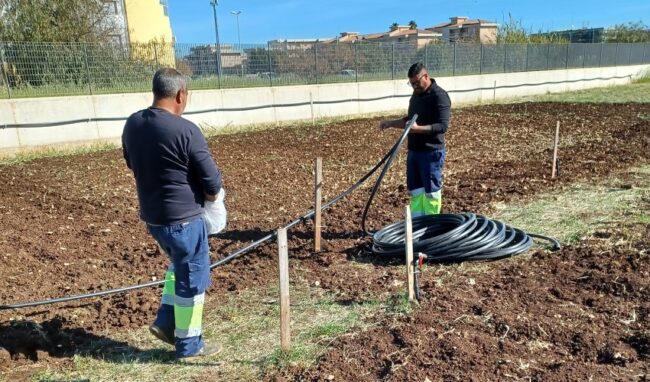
318, 182
409, 254
283, 256
555, 147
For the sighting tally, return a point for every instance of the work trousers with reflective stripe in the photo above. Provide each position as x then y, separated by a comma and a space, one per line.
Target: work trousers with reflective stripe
186, 280
424, 181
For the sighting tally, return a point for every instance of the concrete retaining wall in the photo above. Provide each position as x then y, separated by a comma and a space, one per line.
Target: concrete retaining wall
34, 122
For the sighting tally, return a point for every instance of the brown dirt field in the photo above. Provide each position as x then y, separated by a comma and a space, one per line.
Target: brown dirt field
70, 225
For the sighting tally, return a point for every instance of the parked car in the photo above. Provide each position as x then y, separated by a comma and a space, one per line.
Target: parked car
348, 72
267, 75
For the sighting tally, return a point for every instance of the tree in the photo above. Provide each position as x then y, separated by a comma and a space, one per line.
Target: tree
55, 21
65, 42
513, 32
393, 26
413, 24
632, 32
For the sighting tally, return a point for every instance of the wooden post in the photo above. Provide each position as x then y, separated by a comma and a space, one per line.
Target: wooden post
318, 182
555, 145
283, 256
409, 254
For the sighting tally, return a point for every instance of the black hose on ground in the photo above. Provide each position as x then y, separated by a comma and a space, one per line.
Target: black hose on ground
456, 237
447, 237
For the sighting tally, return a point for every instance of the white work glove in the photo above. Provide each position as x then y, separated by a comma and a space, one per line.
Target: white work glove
215, 214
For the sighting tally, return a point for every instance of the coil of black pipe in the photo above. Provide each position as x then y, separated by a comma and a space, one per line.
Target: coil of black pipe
456, 237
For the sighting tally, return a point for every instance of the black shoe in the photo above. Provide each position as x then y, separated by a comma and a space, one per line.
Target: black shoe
162, 335
206, 351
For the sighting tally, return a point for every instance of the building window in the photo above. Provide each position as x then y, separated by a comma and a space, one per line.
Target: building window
165, 7
116, 41
111, 7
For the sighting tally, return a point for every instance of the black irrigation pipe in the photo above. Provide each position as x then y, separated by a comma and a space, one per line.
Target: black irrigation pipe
456, 237
448, 237
297, 104
237, 253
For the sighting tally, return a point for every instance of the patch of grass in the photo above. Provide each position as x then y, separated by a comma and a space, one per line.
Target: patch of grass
246, 324
644, 219
399, 304
581, 210
48, 152
638, 91
645, 78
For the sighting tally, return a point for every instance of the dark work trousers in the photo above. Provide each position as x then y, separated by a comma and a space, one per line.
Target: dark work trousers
424, 181
187, 279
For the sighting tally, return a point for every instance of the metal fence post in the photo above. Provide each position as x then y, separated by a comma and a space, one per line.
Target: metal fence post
527, 54
356, 63
4, 70
505, 57
426, 55
392, 70
316, 61
480, 61
268, 51
600, 59
566, 58
90, 87
217, 56
584, 53
453, 70
548, 55
629, 56
645, 48
155, 53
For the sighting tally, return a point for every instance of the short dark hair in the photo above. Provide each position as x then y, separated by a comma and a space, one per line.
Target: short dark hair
415, 69
167, 82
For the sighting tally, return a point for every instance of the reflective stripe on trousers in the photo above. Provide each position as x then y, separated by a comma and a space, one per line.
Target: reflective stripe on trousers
426, 203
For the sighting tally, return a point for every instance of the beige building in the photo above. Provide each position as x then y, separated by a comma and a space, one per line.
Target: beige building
462, 29
403, 34
458, 29
296, 44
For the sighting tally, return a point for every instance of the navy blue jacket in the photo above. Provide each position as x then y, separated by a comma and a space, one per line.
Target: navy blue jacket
172, 166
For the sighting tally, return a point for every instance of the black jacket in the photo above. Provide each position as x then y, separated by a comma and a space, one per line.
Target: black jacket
433, 107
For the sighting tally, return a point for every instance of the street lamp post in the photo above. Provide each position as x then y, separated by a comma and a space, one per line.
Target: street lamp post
237, 13
214, 4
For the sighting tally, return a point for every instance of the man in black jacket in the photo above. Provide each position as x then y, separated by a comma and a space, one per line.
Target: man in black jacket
174, 174
426, 141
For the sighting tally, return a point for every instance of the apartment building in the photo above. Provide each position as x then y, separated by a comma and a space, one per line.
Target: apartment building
463, 29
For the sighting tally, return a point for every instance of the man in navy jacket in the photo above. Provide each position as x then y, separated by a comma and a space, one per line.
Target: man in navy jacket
174, 174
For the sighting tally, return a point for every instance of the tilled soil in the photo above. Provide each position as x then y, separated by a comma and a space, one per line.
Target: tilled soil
69, 225
579, 314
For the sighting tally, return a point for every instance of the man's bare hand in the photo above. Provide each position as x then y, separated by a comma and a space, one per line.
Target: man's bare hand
209, 197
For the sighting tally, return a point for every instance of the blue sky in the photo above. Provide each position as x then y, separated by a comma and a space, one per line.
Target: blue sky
263, 20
